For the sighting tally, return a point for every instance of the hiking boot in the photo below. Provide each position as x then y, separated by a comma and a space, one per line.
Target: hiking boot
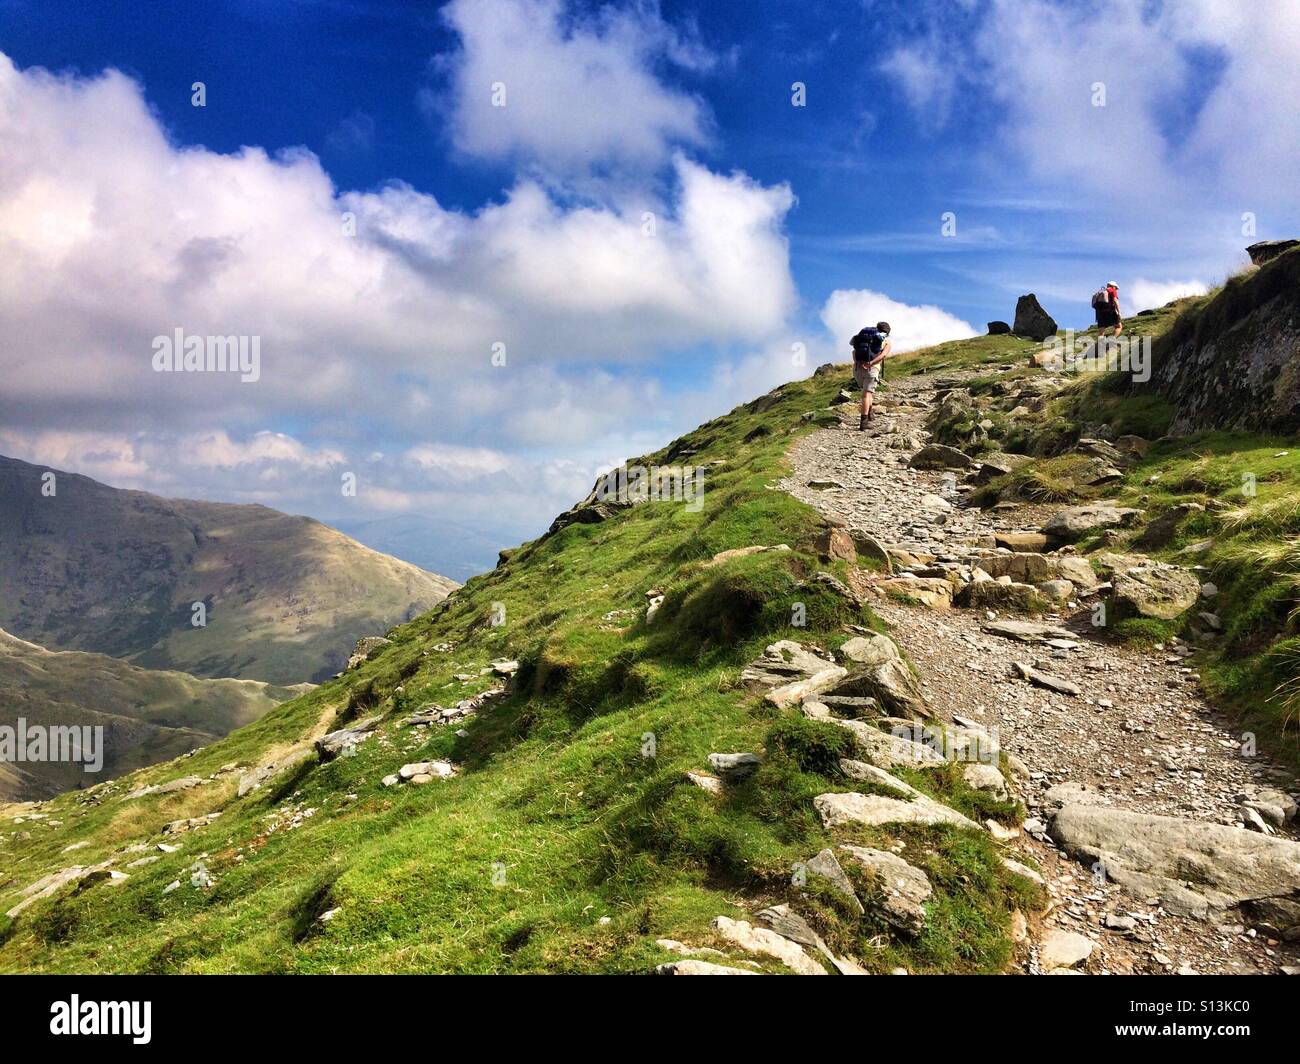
862, 422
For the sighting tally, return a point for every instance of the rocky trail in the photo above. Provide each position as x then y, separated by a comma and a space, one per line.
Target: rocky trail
1164, 839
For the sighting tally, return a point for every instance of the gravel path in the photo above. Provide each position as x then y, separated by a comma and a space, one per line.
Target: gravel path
1140, 734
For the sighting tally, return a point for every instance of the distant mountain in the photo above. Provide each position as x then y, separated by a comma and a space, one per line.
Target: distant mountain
117, 572
147, 715
453, 548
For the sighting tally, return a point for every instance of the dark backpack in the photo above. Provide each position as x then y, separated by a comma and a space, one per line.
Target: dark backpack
867, 344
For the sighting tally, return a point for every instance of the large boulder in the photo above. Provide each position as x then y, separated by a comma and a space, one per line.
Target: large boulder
1076, 521
1029, 567
366, 645
790, 673
875, 810
1032, 321
901, 887
998, 328
337, 743
836, 544
929, 591
877, 670
1194, 867
888, 750
1266, 250
1003, 595
781, 663
1162, 592
767, 943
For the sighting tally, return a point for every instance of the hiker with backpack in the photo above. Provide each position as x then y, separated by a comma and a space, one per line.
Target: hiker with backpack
1105, 302
870, 349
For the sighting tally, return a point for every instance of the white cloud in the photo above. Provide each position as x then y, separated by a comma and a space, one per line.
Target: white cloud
1144, 295
579, 91
1036, 65
110, 235
848, 310
375, 347
927, 81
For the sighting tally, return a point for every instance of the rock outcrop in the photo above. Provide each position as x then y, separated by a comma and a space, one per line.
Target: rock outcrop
1234, 363
1032, 321
1195, 868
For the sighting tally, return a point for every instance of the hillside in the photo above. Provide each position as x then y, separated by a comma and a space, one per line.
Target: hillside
117, 572
1234, 361
658, 739
147, 715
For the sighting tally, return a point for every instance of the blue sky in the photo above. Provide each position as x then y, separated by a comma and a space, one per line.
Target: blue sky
125, 211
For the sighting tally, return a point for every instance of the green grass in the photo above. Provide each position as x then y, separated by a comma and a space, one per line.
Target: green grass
558, 817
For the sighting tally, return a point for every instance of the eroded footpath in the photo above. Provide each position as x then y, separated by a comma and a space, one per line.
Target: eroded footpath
1104, 740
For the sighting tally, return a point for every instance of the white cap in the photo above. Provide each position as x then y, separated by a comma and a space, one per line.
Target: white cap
1111, 284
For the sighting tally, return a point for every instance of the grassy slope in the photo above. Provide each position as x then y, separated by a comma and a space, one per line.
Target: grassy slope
555, 791
147, 715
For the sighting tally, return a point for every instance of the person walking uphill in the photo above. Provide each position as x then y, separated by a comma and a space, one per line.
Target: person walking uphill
1105, 302
871, 347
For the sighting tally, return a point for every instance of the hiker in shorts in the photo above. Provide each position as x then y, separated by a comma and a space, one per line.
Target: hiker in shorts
1105, 302
870, 349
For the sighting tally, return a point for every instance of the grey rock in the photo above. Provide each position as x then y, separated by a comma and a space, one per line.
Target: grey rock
1163, 592
337, 742
985, 778
1196, 868
873, 809
1075, 521
1027, 631
767, 943
940, 456
734, 767
1047, 680
903, 888
366, 645
828, 867
1266, 250
1063, 949
881, 673
431, 770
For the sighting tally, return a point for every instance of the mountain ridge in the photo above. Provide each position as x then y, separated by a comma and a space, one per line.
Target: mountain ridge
119, 571
148, 715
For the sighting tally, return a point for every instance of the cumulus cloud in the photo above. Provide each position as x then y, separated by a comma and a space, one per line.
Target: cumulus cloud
378, 313
534, 81
1199, 87
110, 236
848, 310
1144, 295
